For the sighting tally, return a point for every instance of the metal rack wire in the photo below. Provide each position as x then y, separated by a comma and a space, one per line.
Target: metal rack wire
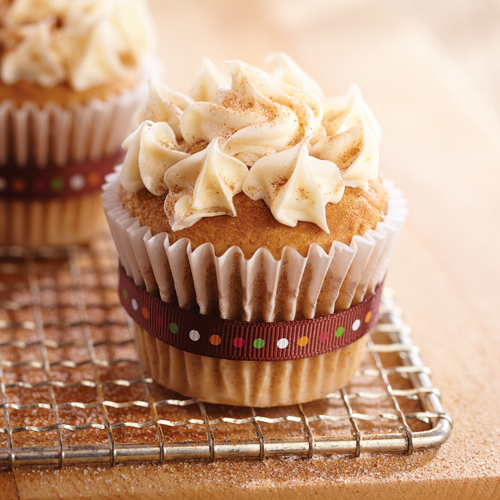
72, 389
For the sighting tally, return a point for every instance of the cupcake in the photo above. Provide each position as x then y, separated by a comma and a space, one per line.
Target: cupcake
254, 233
72, 73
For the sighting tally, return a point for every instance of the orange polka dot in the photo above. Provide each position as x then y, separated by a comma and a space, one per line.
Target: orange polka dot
145, 312
94, 178
303, 341
18, 185
368, 316
215, 340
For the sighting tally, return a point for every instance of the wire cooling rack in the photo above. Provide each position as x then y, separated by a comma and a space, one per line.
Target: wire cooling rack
72, 389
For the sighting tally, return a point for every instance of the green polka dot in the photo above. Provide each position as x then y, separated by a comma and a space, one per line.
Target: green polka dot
174, 328
125, 294
339, 331
56, 184
259, 343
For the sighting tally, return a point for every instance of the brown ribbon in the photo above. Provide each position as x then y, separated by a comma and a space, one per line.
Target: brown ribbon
49, 182
243, 340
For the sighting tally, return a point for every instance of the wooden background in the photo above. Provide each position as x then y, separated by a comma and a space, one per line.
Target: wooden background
430, 71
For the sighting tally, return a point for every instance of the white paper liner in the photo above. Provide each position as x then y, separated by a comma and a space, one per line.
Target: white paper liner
260, 288
80, 132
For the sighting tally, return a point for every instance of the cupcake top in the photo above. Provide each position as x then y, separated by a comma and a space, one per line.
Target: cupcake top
80, 43
273, 137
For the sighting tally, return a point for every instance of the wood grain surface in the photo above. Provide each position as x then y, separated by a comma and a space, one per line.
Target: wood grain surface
441, 145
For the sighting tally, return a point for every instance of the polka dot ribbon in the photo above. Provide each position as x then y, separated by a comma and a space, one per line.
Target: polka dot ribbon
242, 340
43, 183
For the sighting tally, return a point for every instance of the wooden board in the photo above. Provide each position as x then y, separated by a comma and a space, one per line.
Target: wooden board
439, 146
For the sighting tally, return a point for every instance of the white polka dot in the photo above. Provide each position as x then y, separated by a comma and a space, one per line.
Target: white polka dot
194, 335
356, 324
77, 182
3, 184
134, 304
282, 343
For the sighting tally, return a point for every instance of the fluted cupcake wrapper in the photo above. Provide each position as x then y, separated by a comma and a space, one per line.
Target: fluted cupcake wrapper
56, 135
260, 288
257, 289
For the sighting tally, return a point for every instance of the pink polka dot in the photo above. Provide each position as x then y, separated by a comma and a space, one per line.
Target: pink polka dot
323, 336
39, 185
159, 321
238, 342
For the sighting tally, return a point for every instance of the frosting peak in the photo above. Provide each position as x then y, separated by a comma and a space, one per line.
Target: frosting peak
207, 81
272, 136
295, 185
288, 71
343, 112
151, 151
163, 105
203, 185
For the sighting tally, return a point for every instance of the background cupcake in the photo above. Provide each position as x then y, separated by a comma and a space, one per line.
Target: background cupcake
259, 203
72, 72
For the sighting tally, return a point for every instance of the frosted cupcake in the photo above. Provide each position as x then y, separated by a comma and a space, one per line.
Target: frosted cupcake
72, 73
254, 233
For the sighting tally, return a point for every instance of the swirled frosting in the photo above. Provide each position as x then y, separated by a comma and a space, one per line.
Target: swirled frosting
255, 115
273, 136
163, 105
295, 185
207, 81
288, 71
83, 42
203, 185
151, 150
